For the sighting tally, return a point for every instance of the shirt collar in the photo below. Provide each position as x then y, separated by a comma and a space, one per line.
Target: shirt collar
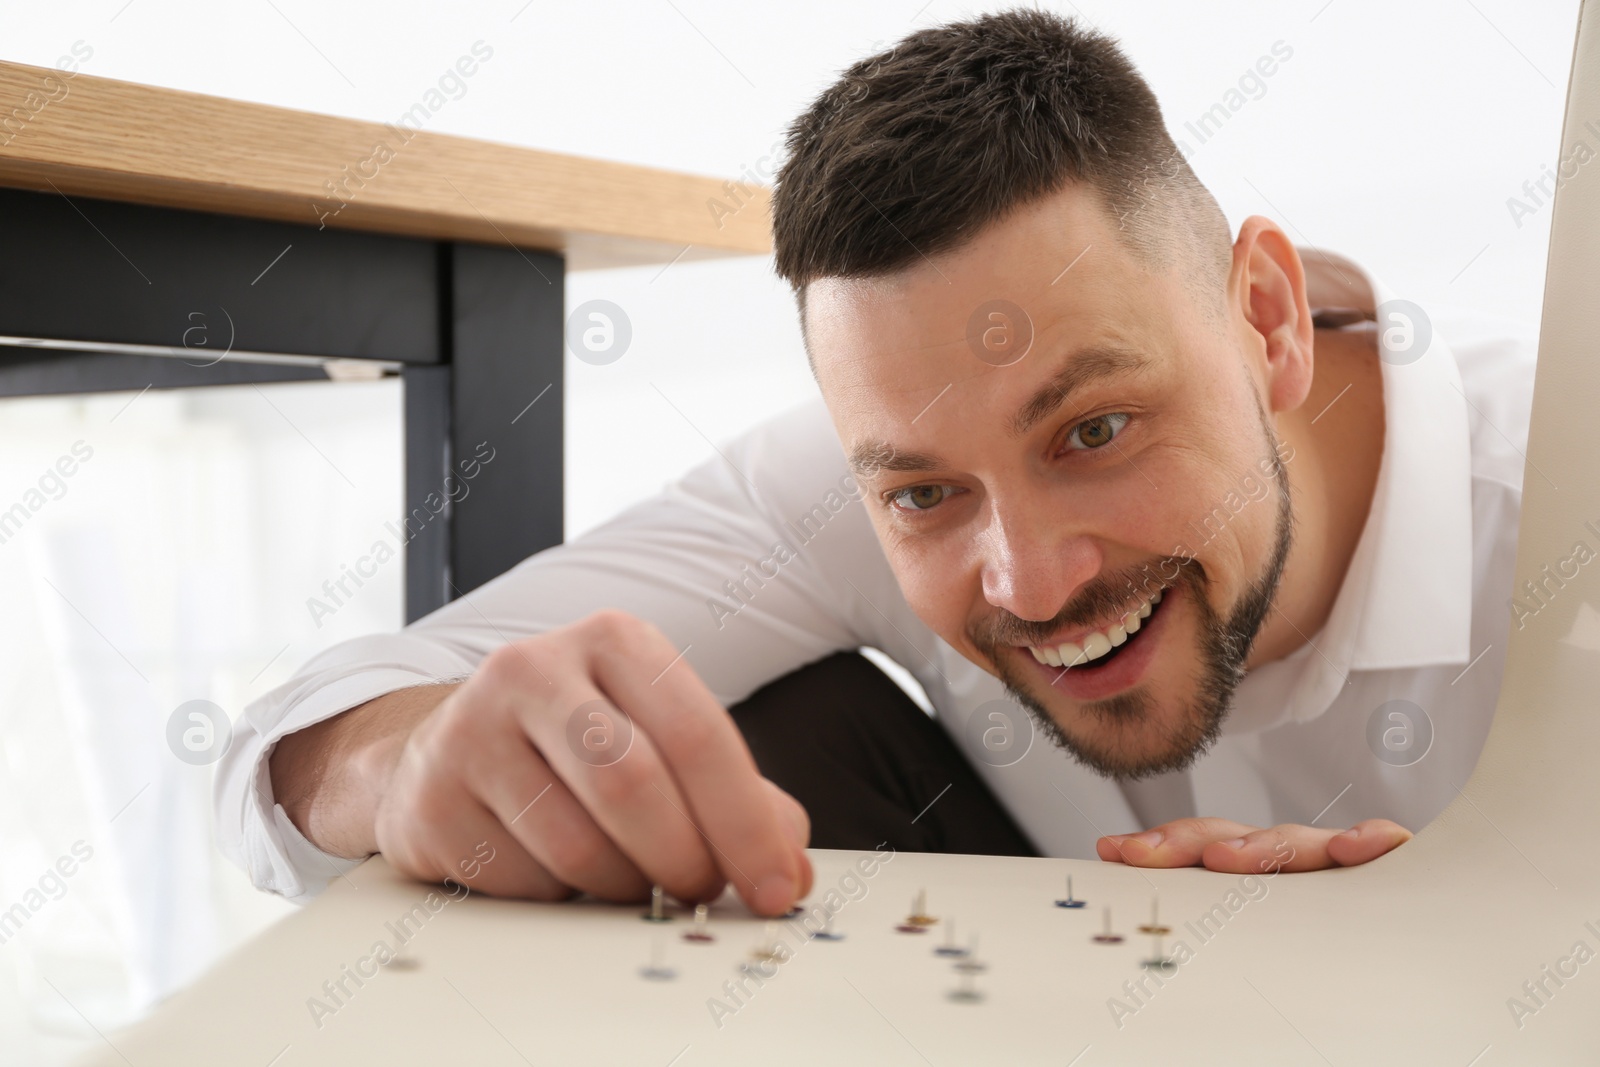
1406, 599
1418, 598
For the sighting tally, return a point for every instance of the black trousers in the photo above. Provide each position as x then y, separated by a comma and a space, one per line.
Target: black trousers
870, 766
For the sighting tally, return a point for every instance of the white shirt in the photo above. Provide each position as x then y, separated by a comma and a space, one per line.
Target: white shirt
1425, 596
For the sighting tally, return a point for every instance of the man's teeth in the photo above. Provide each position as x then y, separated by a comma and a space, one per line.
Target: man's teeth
1098, 643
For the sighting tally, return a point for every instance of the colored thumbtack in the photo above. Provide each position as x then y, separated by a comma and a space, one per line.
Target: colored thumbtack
1106, 937
1069, 902
950, 948
1159, 961
1154, 925
827, 932
919, 919
969, 968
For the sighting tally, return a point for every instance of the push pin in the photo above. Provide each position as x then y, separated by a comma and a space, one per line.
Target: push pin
969, 968
950, 948
657, 971
1069, 902
971, 964
1106, 937
1154, 926
919, 919
657, 912
1159, 961
827, 932
768, 951
699, 933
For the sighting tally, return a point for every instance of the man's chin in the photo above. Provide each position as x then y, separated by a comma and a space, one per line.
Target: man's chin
1172, 713
1128, 736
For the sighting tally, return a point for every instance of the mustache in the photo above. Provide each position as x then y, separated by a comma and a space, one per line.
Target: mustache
1096, 602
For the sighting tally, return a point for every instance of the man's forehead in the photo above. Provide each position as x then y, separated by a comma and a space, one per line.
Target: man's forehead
1044, 242
887, 359
1042, 273
1000, 329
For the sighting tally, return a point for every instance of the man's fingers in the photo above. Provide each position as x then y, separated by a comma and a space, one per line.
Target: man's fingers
798, 822
1174, 844
1305, 848
489, 758
616, 769
607, 761
1223, 845
495, 863
628, 792
540, 812
714, 777
1288, 847
440, 832
1366, 841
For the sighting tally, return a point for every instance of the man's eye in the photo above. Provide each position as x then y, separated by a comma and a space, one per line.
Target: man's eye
919, 497
1097, 432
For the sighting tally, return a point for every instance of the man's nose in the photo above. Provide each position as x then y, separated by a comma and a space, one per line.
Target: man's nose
1033, 564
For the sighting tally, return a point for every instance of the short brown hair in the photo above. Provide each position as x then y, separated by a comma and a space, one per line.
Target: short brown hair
912, 151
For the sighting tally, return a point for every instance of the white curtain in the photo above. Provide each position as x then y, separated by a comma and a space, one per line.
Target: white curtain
172, 564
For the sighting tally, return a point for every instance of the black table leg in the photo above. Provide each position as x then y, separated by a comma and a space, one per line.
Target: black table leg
484, 475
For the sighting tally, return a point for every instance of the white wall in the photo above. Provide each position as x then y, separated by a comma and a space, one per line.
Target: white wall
1394, 134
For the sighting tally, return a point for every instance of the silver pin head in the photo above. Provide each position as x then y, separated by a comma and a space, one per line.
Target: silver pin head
658, 911
699, 932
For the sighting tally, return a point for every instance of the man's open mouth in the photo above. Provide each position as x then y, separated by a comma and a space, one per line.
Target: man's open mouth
1100, 647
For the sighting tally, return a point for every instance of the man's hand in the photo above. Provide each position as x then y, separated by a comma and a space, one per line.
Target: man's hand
589, 758
1221, 845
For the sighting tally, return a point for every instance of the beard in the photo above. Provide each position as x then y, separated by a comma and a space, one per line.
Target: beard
1134, 742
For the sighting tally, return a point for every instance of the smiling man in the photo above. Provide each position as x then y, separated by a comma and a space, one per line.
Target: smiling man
1082, 451
1044, 410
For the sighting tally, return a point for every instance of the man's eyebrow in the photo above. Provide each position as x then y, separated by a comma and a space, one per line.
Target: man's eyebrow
1089, 364
1086, 365
870, 457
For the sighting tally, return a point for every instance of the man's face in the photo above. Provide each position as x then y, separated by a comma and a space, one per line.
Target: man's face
1039, 478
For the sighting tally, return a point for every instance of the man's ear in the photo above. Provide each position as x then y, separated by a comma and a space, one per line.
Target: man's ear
1268, 286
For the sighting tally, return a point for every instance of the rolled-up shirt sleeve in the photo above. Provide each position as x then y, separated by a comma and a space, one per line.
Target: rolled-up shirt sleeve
755, 563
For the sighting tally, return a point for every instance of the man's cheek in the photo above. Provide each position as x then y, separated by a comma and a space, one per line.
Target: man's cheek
929, 602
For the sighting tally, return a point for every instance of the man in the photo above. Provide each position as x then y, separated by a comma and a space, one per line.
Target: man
1081, 454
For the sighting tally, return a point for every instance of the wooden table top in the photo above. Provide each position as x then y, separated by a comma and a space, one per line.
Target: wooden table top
98, 137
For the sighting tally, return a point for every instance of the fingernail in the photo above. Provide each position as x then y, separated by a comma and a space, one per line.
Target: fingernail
1352, 833
1150, 838
1237, 842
